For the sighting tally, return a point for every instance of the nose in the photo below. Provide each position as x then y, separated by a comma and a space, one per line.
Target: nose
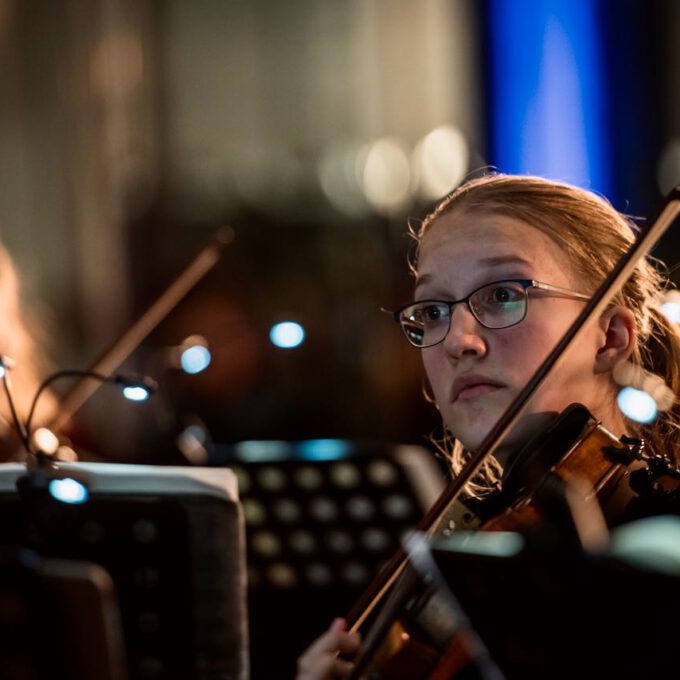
464, 337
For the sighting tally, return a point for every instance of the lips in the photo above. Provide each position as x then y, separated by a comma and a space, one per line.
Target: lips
471, 386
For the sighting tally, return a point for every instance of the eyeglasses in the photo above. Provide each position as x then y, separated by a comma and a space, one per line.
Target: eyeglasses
499, 304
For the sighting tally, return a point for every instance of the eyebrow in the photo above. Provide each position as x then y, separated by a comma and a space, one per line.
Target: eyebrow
487, 262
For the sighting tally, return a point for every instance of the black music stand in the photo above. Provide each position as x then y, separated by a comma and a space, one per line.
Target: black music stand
170, 539
551, 612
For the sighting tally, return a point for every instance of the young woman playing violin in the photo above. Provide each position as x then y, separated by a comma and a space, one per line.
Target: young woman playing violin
503, 266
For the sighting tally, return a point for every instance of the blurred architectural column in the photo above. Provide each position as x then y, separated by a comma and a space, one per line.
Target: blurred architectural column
109, 100
78, 139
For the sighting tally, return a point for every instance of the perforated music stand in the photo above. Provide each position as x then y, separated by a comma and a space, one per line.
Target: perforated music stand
549, 612
322, 516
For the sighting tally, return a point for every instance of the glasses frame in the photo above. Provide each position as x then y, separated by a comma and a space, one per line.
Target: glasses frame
556, 291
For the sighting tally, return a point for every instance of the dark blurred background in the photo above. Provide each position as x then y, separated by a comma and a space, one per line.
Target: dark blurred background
132, 129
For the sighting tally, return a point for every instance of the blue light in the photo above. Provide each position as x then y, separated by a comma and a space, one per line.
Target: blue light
672, 311
651, 542
68, 490
136, 393
254, 451
324, 449
637, 405
547, 91
494, 543
287, 334
195, 359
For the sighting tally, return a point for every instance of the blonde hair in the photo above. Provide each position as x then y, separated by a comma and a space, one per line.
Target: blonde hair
20, 337
594, 236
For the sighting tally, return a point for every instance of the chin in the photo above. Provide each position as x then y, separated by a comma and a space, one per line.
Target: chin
471, 438
471, 428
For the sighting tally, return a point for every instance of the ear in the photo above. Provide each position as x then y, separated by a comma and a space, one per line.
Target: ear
618, 339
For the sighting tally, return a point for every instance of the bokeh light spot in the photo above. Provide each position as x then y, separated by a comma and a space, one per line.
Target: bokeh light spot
287, 334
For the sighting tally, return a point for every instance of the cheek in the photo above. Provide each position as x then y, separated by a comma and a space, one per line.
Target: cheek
527, 344
523, 352
519, 350
435, 366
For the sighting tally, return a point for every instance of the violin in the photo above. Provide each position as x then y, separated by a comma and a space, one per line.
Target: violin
397, 614
575, 454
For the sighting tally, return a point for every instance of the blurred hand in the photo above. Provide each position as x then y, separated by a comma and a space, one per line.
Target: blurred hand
320, 661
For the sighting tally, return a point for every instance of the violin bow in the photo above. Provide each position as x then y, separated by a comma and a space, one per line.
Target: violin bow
135, 335
643, 245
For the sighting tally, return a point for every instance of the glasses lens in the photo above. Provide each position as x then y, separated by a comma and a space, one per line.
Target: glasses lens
499, 305
425, 323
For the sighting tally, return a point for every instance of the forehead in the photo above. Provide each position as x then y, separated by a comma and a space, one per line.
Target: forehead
467, 247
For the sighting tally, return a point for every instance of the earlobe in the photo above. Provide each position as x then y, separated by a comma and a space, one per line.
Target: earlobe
618, 339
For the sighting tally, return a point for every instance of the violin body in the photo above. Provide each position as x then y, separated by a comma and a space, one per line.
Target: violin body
577, 452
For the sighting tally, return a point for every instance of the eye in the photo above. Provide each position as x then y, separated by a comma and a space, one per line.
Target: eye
501, 294
504, 294
432, 312
428, 312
